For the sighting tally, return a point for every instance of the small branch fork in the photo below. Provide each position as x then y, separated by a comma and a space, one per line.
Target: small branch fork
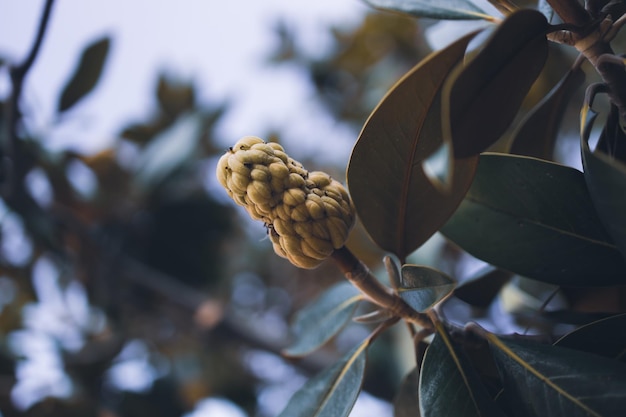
597, 30
360, 276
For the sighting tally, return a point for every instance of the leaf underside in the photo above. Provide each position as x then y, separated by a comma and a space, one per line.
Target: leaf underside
506, 66
396, 201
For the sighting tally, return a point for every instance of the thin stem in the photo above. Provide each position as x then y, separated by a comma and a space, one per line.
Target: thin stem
18, 75
360, 276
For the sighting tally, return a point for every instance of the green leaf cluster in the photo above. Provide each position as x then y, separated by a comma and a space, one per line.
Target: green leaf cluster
466, 144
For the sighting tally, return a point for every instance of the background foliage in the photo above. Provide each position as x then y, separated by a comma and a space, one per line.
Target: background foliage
125, 260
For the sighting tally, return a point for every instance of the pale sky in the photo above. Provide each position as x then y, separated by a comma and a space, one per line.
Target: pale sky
219, 45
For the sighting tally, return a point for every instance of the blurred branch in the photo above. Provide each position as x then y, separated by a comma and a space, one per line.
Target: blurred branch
8, 179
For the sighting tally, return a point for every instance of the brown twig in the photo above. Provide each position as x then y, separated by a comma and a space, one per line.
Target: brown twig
360, 276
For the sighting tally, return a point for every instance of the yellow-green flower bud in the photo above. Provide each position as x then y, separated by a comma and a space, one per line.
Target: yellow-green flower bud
308, 214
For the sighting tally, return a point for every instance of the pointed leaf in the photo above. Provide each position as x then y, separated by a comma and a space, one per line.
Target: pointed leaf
604, 337
86, 74
323, 318
538, 131
333, 392
435, 9
606, 179
475, 113
449, 386
535, 218
423, 287
397, 203
480, 289
544, 380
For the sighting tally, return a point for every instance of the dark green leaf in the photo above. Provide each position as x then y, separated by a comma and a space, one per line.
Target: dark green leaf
544, 380
397, 203
606, 179
475, 113
604, 337
481, 288
449, 386
406, 402
436, 9
538, 131
333, 392
535, 218
86, 74
321, 320
423, 287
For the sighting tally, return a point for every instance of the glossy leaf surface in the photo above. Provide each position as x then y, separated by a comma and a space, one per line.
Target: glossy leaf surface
544, 380
397, 203
606, 179
435, 9
86, 74
449, 386
423, 287
333, 392
507, 65
317, 323
539, 130
604, 337
535, 218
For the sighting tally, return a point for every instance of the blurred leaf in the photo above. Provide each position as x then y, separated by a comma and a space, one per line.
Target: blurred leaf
604, 337
435, 9
474, 112
423, 287
174, 97
449, 386
169, 150
606, 179
544, 380
406, 401
480, 289
538, 131
86, 74
535, 218
333, 392
321, 320
397, 203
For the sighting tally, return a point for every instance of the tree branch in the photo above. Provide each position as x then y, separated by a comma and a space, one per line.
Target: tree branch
359, 275
8, 179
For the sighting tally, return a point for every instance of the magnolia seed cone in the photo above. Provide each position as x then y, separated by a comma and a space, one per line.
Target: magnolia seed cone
308, 214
